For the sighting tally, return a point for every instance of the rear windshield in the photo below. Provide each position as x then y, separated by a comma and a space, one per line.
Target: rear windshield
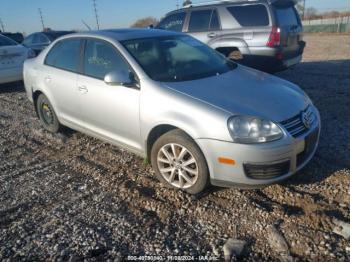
4, 41
287, 16
250, 15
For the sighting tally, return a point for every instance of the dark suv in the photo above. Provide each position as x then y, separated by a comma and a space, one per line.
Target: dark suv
264, 34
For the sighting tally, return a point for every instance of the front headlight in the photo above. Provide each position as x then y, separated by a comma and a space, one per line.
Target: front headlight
249, 130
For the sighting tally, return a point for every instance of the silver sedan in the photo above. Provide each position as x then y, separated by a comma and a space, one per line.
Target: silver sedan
196, 116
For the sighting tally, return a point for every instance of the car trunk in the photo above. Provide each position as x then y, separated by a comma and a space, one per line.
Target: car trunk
288, 21
12, 56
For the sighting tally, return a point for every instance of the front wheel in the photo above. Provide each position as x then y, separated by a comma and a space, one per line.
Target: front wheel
179, 163
47, 115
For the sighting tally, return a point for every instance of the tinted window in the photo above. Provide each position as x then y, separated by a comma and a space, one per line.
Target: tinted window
286, 16
28, 40
36, 39
4, 41
177, 58
200, 20
173, 22
215, 23
43, 39
65, 55
250, 15
101, 58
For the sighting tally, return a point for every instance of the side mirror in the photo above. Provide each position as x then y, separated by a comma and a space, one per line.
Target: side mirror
123, 78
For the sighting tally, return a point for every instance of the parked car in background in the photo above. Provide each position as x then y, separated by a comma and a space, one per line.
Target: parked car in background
12, 56
198, 116
264, 34
18, 37
39, 41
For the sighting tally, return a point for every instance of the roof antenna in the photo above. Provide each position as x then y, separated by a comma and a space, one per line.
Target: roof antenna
87, 26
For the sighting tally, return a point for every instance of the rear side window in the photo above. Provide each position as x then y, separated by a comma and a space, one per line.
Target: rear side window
4, 41
287, 16
204, 20
250, 15
43, 39
102, 58
173, 22
28, 40
65, 55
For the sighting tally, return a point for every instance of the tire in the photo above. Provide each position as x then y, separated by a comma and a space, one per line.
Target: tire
180, 172
235, 55
47, 115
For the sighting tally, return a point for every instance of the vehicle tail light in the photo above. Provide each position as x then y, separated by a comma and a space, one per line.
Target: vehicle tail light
275, 37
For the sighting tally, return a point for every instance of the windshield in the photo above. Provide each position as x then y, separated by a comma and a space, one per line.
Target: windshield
177, 58
5, 41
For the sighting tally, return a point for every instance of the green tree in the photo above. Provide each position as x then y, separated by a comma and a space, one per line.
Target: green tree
145, 22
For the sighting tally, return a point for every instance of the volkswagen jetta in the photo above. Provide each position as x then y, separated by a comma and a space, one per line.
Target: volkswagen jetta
197, 116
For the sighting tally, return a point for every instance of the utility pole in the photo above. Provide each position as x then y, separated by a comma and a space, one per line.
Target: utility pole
96, 15
41, 18
304, 5
177, 4
2, 25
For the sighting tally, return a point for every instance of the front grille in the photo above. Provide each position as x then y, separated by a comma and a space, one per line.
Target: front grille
270, 171
310, 144
295, 125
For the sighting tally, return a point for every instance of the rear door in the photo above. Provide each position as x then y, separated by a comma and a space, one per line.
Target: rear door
204, 24
288, 20
11, 54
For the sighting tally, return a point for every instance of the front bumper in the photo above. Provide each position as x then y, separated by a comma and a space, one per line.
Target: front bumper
281, 158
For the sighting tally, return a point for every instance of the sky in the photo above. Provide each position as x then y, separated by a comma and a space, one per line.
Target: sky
23, 15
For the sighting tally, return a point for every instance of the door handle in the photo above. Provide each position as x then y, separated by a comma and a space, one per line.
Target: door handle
83, 89
211, 35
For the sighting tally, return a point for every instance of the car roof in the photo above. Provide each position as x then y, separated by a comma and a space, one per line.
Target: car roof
230, 2
53, 33
127, 34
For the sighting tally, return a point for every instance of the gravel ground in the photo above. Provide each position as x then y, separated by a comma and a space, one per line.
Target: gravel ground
72, 196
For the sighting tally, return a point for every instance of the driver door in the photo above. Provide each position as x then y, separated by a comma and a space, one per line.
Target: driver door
111, 112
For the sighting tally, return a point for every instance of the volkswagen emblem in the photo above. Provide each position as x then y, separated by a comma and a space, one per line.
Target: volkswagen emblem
306, 119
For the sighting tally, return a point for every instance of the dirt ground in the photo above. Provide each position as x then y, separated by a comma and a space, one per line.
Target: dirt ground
71, 196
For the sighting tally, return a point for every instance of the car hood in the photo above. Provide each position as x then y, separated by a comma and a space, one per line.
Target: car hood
249, 92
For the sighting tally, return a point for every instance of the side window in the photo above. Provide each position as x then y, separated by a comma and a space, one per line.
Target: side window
43, 39
65, 55
200, 20
36, 39
250, 15
215, 22
101, 58
173, 22
28, 40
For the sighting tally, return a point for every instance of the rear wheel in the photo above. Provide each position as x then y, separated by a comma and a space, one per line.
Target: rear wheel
47, 115
179, 163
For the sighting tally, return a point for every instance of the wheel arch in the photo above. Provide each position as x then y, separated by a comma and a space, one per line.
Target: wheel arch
157, 132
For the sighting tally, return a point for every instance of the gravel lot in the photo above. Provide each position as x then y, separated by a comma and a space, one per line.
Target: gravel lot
72, 196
